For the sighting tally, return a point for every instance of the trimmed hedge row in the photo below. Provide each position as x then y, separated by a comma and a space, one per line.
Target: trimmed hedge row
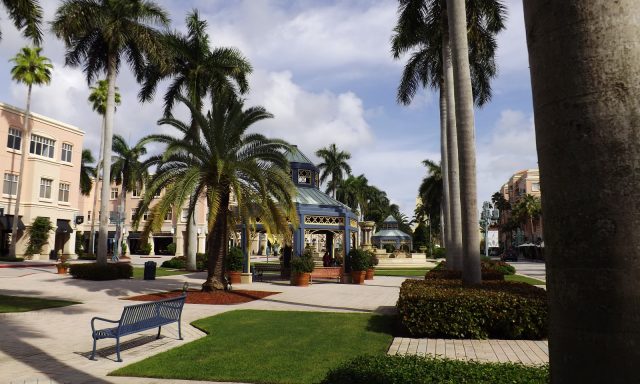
180, 262
426, 370
493, 309
93, 271
491, 270
445, 274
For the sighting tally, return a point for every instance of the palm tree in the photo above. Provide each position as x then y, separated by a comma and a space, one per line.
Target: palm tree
87, 172
423, 29
97, 33
27, 15
584, 71
128, 172
30, 68
195, 70
225, 159
98, 99
334, 164
526, 209
431, 193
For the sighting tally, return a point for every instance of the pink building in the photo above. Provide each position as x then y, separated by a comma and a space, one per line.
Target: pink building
525, 182
51, 180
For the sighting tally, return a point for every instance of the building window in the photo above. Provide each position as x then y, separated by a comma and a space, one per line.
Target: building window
42, 146
66, 152
63, 192
45, 188
535, 187
168, 216
15, 139
10, 186
136, 192
145, 216
114, 193
157, 194
89, 216
304, 176
185, 215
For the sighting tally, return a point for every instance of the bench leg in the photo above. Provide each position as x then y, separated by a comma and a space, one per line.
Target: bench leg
159, 329
93, 353
119, 360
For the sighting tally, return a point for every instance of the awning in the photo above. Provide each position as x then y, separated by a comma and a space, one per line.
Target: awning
63, 226
6, 223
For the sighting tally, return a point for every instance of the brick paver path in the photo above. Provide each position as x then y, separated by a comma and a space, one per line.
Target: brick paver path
530, 352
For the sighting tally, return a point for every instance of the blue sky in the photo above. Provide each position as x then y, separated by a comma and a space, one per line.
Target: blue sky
324, 69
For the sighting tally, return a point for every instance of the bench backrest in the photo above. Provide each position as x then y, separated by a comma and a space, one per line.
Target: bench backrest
153, 313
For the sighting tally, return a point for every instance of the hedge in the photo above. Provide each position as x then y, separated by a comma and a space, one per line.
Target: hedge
445, 274
490, 268
94, 271
399, 369
493, 309
180, 262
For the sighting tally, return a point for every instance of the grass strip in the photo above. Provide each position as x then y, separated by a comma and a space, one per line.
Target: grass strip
24, 304
402, 272
524, 279
138, 272
269, 347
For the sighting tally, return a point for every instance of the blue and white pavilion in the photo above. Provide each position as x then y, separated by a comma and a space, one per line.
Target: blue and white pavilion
390, 233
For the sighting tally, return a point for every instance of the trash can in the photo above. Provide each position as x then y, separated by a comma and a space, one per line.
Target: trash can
150, 270
53, 255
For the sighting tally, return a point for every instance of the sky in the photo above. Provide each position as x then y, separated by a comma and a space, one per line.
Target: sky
325, 71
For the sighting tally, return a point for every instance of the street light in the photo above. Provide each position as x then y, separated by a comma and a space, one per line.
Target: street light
489, 216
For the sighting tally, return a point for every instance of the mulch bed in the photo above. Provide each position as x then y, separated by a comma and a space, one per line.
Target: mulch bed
212, 298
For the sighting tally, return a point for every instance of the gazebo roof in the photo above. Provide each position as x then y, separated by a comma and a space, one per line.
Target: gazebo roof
391, 233
313, 196
390, 219
295, 156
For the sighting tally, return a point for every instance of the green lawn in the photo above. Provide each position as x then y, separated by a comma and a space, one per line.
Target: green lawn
25, 304
138, 272
402, 272
252, 346
524, 279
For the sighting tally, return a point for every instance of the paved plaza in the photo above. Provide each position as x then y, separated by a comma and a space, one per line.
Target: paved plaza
52, 345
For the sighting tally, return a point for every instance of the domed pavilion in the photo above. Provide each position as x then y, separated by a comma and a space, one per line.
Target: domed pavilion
390, 233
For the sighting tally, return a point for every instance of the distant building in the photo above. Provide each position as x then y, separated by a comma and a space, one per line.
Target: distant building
51, 180
390, 234
525, 182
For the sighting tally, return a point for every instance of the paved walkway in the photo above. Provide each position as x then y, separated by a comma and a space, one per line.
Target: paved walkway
530, 352
535, 269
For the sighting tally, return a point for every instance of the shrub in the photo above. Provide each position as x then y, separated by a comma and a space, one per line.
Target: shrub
439, 253
12, 259
94, 271
445, 274
79, 248
144, 248
171, 249
389, 248
493, 309
425, 370
87, 256
38, 235
499, 266
360, 260
179, 262
491, 270
303, 264
234, 259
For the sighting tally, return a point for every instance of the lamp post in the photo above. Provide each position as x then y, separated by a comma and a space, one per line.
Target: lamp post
488, 216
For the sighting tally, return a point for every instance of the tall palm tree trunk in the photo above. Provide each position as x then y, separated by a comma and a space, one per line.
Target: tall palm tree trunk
218, 246
23, 159
192, 240
445, 212
106, 166
584, 59
466, 141
454, 248
95, 191
117, 251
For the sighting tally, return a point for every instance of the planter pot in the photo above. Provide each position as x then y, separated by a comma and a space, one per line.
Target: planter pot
369, 274
301, 279
357, 277
62, 270
235, 277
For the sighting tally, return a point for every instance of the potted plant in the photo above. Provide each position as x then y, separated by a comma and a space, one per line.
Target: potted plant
63, 264
301, 268
373, 261
234, 264
359, 260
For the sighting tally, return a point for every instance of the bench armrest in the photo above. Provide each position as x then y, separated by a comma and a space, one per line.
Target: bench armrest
102, 319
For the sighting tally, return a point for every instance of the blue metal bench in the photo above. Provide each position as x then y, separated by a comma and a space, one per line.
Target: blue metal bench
140, 317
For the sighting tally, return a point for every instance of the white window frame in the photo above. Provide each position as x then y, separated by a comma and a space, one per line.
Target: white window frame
63, 192
157, 194
15, 134
10, 181
184, 215
114, 196
145, 216
45, 188
42, 146
168, 216
136, 192
535, 187
66, 153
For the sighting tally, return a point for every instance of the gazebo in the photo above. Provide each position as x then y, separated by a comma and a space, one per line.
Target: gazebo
324, 222
391, 234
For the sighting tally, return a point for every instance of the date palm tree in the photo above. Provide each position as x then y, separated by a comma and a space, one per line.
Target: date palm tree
584, 60
98, 100
27, 15
224, 160
334, 164
87, 172
422, 29
98, 34
195, 70
431, 193
528, 208
30, 68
